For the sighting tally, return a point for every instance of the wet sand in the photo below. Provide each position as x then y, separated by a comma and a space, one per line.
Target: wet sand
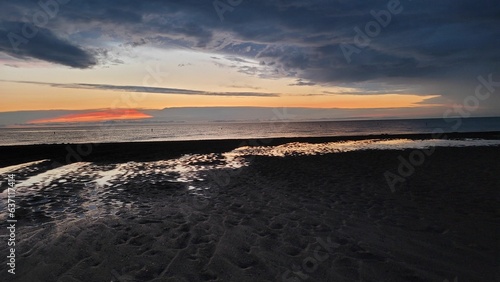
326, 217
150, 151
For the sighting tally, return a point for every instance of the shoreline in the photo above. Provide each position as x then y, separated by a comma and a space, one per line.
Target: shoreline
156, 150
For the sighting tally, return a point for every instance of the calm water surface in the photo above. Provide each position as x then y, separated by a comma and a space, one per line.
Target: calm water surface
167, 131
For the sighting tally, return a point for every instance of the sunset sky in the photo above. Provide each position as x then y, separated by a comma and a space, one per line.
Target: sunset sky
117, 59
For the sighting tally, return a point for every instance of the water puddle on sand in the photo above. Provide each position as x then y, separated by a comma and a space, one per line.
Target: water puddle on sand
304, 149
92, 189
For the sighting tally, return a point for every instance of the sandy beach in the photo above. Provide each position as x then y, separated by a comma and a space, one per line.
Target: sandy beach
330, 217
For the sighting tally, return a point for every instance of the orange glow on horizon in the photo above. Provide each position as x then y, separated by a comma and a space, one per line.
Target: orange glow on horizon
30, 97
107, 115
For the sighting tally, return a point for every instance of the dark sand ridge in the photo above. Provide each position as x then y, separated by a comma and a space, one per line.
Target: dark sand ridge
274, 216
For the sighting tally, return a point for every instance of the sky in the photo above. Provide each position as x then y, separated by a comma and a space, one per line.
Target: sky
91, 60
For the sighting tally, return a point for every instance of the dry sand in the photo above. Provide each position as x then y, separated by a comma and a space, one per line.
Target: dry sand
304, 218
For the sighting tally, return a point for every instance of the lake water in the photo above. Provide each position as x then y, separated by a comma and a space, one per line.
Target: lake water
170, 131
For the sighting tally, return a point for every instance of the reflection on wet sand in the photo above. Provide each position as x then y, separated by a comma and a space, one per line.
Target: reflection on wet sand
81, 189
297, 148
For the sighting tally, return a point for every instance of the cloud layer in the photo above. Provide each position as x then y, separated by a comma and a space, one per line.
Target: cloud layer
153, 90
427, 44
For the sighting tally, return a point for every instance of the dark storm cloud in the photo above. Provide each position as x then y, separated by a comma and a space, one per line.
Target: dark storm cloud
42, 44
423, 43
